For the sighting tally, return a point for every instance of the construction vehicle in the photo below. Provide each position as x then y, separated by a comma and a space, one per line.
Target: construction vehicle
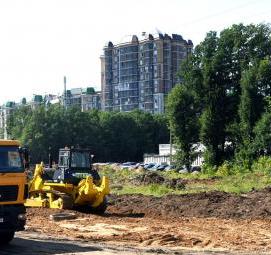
13, 189
73, 183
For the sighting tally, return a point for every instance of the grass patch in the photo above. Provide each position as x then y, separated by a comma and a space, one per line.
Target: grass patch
242, 183
147, 190
176, 175
238, 183
119, 176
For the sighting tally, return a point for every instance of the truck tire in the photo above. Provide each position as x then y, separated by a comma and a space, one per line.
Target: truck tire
101, 208
6, 237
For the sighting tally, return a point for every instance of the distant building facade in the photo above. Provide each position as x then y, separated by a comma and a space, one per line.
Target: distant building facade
8, 108
83, 98
138, 74
5, 111
167, 153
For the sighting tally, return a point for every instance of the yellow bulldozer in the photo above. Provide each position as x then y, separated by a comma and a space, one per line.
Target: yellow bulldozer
72, 183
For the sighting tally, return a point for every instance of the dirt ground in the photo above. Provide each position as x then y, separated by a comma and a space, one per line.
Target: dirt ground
207, 221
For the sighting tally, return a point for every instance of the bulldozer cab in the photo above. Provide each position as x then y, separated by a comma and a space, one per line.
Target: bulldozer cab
73, 166
77, 160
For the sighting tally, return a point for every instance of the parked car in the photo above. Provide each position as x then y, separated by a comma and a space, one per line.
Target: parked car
127, 165
170, 167
149, 165
156, 166
134, 166
141, 165
162, 167
195, 168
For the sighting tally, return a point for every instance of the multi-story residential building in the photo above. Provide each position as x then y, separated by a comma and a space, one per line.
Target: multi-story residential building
138, 74
83, 98
50, 99
91, 101
36, 101
5, 111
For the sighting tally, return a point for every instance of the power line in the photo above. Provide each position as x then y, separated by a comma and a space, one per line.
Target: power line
219, 13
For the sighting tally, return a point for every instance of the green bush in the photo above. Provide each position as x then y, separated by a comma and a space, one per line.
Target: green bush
208, 169
225, 169
263, 164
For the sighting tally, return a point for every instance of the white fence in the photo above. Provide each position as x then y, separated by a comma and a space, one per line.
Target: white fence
154, 158
165, 159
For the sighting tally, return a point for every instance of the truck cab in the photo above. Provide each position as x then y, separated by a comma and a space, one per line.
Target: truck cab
13, 189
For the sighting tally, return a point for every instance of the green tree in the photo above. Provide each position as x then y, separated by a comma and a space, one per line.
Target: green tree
119, 136
262, 132
17, 121
250, 109
183, 121
214, 75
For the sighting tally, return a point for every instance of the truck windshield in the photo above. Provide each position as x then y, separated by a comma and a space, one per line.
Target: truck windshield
10, 159
80, 160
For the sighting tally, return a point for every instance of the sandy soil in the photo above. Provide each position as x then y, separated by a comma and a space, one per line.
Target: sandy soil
211, 221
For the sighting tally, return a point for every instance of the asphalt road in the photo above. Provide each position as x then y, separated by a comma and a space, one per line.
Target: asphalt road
33, 243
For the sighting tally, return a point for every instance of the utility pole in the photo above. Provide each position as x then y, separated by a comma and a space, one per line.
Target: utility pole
65, 93
170, 146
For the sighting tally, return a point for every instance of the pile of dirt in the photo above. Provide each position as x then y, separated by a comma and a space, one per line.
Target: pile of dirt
253, 205
154, 178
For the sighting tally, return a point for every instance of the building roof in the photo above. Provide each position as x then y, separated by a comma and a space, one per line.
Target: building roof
134, 39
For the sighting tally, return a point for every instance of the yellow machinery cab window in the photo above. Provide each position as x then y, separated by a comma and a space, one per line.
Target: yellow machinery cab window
80, 160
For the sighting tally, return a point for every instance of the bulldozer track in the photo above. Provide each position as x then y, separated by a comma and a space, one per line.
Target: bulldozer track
67, 201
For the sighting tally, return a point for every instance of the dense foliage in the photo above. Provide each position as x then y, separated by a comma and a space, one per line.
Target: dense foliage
227, 86
111, 136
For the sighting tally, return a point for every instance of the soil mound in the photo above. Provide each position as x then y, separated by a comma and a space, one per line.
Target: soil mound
254, 205
154, 178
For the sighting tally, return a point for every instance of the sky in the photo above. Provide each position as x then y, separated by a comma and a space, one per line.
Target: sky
41, 41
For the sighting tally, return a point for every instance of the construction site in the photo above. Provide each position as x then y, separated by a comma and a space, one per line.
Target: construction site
206, 223
80, 208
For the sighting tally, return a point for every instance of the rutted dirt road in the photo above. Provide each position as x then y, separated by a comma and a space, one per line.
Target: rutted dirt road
218, 222
31, 243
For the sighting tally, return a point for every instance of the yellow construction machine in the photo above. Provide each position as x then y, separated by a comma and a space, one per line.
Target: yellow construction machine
73, 183
13, 189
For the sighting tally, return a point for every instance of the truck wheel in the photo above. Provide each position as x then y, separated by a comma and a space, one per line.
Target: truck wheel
101, 208
6, 237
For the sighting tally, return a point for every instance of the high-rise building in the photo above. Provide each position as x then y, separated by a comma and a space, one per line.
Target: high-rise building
138, 74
